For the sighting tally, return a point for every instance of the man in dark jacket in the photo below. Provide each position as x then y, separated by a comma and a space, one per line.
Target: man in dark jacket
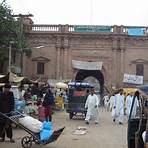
6, 106
47, 103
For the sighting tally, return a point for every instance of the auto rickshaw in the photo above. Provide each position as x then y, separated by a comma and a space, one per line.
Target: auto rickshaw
77, 95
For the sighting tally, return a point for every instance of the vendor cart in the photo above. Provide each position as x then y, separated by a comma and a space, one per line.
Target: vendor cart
27, 141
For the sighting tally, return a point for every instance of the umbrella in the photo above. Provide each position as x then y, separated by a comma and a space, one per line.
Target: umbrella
61, 85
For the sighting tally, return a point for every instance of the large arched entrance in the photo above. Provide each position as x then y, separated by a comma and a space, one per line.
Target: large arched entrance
82, 74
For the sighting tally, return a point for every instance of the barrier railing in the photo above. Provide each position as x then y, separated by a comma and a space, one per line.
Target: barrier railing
127, 30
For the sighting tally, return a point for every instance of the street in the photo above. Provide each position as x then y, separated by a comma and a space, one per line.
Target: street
106, 134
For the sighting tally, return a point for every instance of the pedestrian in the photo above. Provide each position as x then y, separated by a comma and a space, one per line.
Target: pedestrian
47, 103
91, 105
6, 106
106, 101
119, 107
59, 101
111, 102
128, 104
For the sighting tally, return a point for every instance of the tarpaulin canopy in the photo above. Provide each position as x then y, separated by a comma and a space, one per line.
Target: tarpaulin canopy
29, 81
61, 85
2, 76
14, 78
2, 84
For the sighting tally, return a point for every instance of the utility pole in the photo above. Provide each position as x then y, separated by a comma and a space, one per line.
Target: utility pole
21, 16
10, 55
9, 63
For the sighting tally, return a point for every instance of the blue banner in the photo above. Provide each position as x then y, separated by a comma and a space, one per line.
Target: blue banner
136, 31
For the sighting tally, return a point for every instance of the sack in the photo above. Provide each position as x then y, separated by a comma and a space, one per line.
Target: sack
47, 125
31, 123
45, 134
46, 131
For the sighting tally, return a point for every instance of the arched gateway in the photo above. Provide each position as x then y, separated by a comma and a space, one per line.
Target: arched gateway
89, 69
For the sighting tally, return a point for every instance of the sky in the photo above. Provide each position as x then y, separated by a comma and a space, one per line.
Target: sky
84, 12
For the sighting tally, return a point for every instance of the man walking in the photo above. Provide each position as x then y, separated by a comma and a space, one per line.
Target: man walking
129, 100
92, 104
6, 106
119, 107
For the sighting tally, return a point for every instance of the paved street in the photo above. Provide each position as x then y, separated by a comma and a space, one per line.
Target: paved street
104, 135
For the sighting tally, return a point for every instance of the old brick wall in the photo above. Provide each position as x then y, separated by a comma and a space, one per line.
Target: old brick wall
119, 54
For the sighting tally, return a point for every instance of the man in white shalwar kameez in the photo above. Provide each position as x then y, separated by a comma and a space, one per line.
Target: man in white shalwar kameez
119, 107
128, 103
111, 102
92, 104
106, 101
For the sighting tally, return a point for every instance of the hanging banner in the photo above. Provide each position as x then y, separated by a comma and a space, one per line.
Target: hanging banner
136, 31
133, 79
90, 28
87, 65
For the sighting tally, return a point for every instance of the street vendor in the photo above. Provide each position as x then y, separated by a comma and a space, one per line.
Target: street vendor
6, 106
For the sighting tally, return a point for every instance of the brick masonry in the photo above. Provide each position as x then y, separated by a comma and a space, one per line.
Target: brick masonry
119, 53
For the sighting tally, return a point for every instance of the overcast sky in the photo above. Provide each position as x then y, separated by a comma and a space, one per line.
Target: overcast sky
88, 12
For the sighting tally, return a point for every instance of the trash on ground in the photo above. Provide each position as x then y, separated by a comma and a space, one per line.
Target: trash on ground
80, 130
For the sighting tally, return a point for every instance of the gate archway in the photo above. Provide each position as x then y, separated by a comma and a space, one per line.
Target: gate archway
82, 74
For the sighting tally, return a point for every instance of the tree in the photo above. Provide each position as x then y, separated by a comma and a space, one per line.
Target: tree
11, 30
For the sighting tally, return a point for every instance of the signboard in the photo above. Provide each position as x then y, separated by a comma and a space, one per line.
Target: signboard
87, 28
133, 79
136, 31
87, 65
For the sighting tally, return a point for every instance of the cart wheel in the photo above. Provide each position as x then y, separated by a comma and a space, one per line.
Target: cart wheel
70, 115
36, 141
26, 142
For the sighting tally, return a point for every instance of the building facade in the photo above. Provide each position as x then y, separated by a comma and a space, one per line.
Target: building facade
103, 52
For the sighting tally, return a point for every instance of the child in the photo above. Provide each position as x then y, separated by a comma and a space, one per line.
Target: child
41, 110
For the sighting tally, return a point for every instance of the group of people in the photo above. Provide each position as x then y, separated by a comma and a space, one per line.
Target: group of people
7, 105
42, 107
117, 104
120, 104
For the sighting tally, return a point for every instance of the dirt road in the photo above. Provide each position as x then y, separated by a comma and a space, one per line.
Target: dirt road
104, 135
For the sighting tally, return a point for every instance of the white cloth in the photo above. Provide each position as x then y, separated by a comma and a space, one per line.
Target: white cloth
31, 123
111, 102
119, 107
99, 99
92, 104
144, 136
113, 113
128, 104
106, 101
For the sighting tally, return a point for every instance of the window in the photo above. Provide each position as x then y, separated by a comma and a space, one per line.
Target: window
40, 68
139, 69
